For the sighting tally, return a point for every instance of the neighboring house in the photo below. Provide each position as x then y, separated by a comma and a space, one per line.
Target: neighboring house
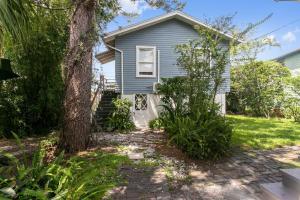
292, 61
145, 52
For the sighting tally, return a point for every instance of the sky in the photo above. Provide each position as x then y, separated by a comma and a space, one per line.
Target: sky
286, 18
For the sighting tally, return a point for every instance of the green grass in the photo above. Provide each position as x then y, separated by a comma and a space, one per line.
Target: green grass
262, 133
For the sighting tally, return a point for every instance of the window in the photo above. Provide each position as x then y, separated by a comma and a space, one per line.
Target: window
140, 102
145, 61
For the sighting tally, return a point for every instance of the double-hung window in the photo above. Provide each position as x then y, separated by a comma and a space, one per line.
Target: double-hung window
145, 61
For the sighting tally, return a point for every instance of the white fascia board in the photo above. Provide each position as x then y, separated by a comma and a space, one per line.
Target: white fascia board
176, 15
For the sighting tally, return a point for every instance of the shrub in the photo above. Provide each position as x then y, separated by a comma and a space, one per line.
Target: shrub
257, 87
294, 83
121, 117
173, 95
204, 134
292, 99
11, 118
292, 109
156, 124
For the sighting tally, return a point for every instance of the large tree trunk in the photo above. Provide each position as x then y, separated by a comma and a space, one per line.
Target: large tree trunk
78, 77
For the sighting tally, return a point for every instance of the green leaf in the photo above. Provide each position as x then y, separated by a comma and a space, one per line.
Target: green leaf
8, 191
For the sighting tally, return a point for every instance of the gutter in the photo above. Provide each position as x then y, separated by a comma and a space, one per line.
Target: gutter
122, 66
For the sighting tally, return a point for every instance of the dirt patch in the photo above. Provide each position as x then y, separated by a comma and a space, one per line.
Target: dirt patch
11, 146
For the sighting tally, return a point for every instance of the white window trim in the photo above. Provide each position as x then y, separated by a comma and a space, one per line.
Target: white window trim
137, 62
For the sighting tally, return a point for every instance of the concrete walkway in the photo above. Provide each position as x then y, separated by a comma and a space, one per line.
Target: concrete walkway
163, 172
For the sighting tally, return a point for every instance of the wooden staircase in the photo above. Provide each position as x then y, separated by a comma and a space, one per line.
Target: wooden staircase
102, 102
105, 108
288, 189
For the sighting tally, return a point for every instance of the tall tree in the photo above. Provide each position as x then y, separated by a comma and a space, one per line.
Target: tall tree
78, 77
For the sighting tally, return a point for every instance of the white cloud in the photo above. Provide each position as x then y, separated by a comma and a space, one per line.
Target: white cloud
136, 7
289, 37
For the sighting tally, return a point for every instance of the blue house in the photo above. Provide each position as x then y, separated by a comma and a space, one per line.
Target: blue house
145, 52
292, 61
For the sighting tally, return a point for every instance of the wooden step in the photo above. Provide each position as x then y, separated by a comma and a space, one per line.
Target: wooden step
105, 108
277, 191
291, 178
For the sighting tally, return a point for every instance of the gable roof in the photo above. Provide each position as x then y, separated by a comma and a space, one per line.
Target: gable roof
110, 36
287, 55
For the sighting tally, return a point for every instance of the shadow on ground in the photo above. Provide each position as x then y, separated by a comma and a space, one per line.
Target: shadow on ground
236, 177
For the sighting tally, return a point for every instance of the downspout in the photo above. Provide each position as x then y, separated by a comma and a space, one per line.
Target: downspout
122, 66
158, 66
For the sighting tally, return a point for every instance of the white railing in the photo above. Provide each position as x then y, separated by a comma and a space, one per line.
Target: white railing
110, 84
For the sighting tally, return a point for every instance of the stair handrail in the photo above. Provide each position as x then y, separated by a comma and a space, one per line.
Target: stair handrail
97, 96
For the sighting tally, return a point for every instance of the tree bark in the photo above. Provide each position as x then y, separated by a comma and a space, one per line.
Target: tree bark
78, 78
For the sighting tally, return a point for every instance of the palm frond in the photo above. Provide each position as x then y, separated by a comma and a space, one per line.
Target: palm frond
14, 18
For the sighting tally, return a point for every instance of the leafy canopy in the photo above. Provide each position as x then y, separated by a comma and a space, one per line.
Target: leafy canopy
34, 101
259, 86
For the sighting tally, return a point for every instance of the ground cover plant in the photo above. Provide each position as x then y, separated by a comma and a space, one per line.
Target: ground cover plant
86, 176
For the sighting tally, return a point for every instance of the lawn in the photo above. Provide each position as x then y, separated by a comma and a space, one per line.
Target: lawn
262, 133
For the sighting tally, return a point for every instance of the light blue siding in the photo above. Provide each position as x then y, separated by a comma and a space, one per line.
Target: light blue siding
292, 61
165, 36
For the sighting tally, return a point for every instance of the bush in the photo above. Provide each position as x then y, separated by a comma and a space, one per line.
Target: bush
156, 124
292, 109
257, 87
294, 83
203, 134
173, 95
292, 99
11, 118
121, 117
